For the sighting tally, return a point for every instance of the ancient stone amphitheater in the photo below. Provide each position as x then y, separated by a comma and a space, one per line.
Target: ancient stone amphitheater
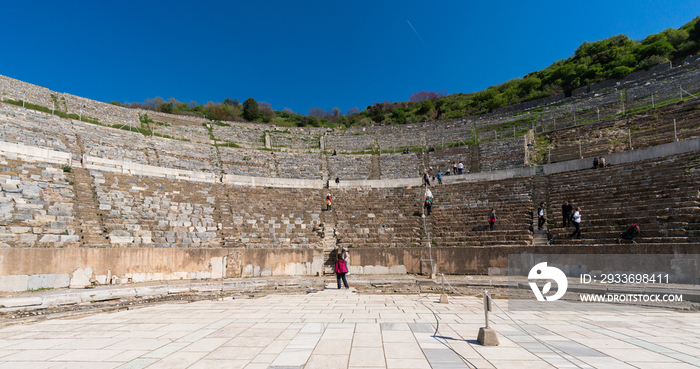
85, 203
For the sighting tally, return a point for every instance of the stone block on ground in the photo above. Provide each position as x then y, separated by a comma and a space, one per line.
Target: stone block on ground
11, 302
37, 281
14, 283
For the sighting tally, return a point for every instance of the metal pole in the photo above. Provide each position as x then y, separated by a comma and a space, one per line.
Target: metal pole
598, 110
675, 134
580, 150
629, 133
486, 307
652, 101
24, 96
575, 119
679, 90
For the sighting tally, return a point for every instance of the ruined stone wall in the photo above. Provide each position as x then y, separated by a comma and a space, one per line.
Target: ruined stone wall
150, 212
36, 205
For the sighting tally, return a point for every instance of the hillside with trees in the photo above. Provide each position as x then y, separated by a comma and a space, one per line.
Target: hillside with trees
592, 62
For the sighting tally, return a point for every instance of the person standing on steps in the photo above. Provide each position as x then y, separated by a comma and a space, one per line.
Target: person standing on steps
337, 182
341, 267
428, 205
426, 179
454, 168
577, 223
439, 177
566, 210
492, 218
460, 167
540, 216
328, 202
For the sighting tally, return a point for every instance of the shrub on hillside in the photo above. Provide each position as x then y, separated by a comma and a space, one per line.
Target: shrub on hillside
250, 109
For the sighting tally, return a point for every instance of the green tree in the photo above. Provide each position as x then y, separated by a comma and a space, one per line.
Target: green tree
425, 107
250, 109
165, 107
620, 72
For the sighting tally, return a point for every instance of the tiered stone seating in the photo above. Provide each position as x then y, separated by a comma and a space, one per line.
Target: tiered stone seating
399, 165
185, 155
349, 141
245, 135
150, 212
396, 140
502, 154
14, 130
244, 162
379, 217
440, 160
36, 205
198, 134
297, 139
460, 213
306, 166
653, 127
264, 218
349, 166
112, 143
660, 194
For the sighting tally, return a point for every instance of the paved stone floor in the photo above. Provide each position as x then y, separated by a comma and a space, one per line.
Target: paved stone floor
341, 329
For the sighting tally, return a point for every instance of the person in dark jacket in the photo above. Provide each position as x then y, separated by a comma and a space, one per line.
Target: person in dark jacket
631, 232
566, 211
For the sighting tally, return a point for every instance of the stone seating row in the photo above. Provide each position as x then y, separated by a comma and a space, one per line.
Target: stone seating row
261, 218
460, 213
399, 165
349, 166
659, 194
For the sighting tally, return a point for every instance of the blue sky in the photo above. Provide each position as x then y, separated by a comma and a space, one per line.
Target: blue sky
304, 54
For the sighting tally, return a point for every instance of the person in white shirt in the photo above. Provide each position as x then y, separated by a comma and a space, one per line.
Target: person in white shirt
577, 224
540, 216
460, 167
